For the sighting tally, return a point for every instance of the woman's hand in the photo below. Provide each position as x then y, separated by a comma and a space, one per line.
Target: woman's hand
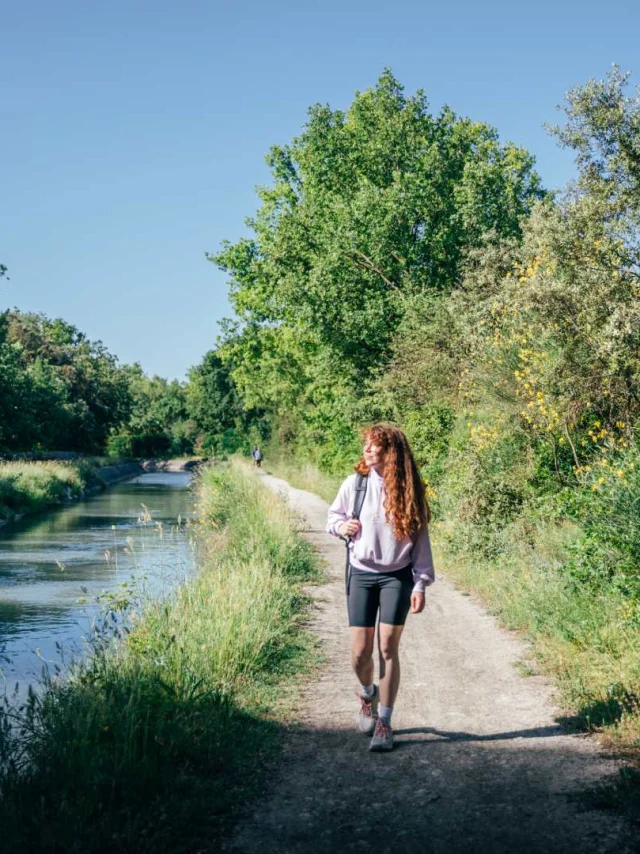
350, 528
417, 602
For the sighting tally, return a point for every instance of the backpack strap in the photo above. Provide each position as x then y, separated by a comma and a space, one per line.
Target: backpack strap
361, 490
358, 501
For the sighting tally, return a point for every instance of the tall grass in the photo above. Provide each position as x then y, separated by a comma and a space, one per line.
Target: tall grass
588, 641
152, 744
29, 486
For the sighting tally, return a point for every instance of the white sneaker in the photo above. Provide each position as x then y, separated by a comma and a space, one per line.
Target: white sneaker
382, 737
368, 713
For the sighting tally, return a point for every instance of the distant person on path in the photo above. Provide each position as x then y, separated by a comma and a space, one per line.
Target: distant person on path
382, 513
257, 456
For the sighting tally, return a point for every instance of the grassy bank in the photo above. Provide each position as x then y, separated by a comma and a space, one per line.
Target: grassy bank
29, 486
154, 744
587, 642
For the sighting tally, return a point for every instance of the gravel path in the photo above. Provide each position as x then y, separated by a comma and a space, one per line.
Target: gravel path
480, 763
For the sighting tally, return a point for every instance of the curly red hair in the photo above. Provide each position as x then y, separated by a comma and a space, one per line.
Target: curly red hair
406, 507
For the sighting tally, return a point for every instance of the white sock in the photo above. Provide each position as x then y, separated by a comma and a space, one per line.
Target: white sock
368, 691
384, 713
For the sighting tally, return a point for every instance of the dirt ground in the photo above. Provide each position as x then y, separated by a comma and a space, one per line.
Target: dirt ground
480, 763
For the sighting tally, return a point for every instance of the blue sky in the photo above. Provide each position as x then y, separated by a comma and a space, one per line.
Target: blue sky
134, 133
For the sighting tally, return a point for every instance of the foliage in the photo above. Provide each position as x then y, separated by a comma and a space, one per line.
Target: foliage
58, 390
158, 423
603, 128
369, 209
223, 424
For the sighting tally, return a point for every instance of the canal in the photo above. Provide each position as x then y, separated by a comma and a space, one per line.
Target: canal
54, 567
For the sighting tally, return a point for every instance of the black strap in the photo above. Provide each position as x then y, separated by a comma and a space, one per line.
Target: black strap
361, 491
358, 501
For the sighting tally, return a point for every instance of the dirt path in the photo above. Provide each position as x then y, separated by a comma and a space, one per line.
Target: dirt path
480, 764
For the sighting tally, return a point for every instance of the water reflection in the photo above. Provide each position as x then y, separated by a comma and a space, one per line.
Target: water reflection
54, 565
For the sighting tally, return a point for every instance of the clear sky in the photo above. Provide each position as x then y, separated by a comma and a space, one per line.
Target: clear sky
134, 133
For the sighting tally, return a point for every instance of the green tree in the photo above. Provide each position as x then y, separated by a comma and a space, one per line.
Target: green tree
603, 129
158, 424
78, 392
216, 408
369, 209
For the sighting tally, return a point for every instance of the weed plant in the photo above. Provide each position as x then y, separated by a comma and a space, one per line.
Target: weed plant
154, 743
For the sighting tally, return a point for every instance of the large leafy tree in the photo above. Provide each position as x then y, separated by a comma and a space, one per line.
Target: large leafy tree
369, 208
158, 423
603, 129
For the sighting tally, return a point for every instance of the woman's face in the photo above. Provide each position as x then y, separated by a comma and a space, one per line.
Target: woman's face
373, 453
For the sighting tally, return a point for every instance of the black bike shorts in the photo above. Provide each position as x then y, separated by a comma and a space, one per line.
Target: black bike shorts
388, 593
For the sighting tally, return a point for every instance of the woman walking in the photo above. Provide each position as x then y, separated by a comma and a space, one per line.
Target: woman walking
389, 566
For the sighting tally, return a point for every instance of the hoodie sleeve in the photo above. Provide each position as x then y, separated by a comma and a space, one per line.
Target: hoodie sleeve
422, 560
339, 511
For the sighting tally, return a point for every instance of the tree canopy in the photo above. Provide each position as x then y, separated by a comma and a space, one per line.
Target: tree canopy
369, 208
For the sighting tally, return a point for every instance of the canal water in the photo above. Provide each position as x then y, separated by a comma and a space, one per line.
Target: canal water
54, 567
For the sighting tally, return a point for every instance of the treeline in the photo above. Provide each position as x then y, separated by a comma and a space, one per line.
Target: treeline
411, 267
59, 391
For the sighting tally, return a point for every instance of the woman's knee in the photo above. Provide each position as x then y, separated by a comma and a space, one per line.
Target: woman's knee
361, 645
389, 651
389, 644
361, 653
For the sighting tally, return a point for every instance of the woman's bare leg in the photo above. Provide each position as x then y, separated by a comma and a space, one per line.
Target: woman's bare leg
388, 645
362, 653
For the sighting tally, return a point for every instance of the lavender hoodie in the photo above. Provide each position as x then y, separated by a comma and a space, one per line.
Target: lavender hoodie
375, 548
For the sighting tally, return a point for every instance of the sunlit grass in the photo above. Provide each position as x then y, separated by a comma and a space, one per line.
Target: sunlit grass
29, 486
589, 643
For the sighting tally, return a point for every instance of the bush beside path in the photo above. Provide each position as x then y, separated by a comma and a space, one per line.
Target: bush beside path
481, 765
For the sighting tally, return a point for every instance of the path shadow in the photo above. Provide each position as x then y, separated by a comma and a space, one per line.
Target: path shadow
520, 791
447, 735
